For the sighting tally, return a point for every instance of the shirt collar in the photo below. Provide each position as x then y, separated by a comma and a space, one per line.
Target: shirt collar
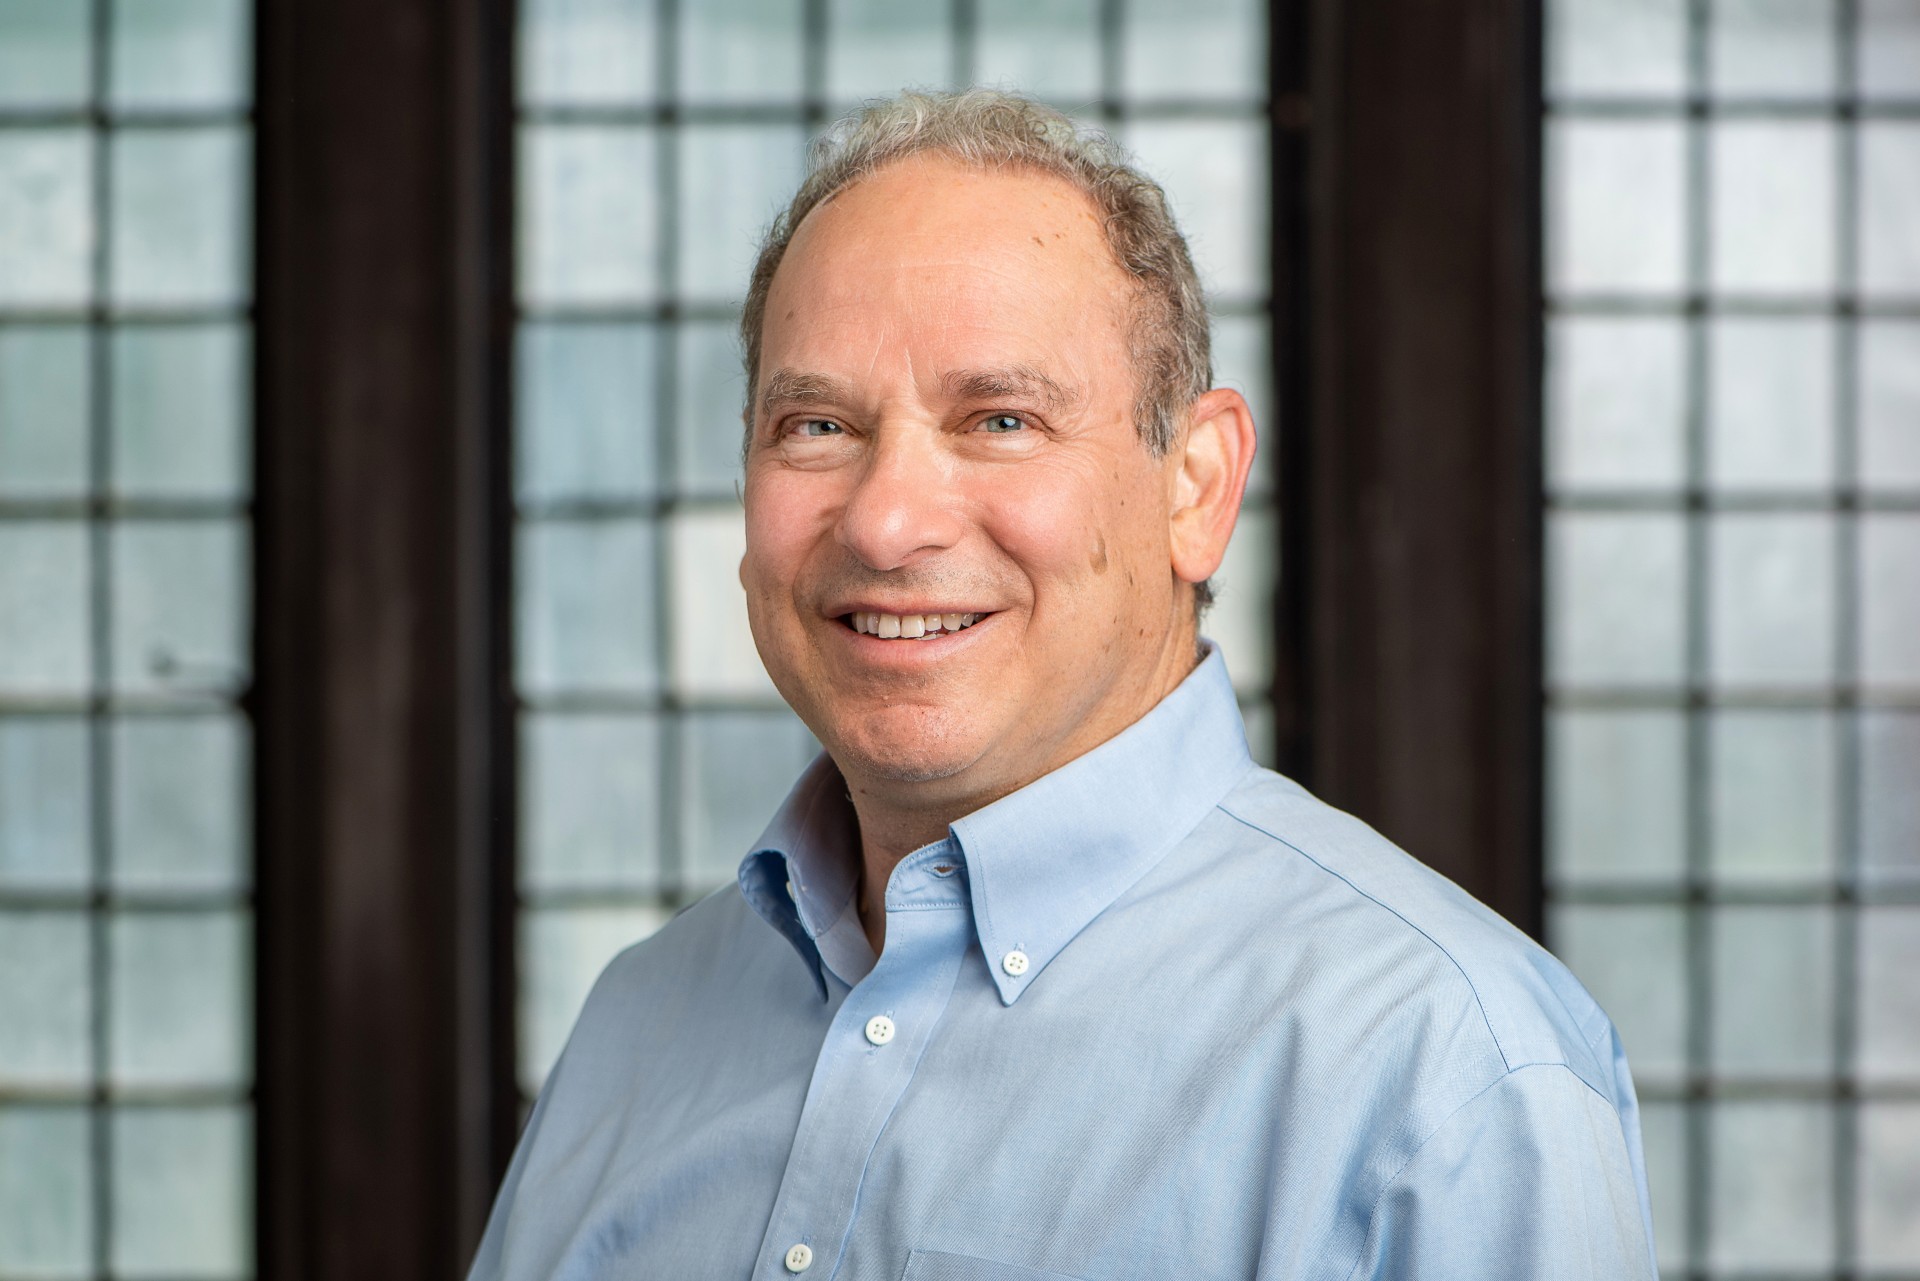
1041, 863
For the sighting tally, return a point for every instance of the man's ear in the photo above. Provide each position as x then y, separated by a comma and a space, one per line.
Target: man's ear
1208, 472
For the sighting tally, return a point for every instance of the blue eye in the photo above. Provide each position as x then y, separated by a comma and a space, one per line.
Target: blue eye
1003, 424
818, 427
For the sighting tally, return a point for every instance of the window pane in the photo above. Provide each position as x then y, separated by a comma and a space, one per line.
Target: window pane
46, 1202
586, 425
589, 223
713, 651
740, 50
562, 951
1889, 209
1773, 998
44, 402
179, 997
877, 47
180, 411
181, 53
180, 804
1616, 390
1889, 1180
1890, 405
737, 768
1773, 207
590, 802
712, 389
586, 606
1048, 48
1663, 1138
1770, 414
1243, 360
44, 58
182, 1198
1890, 600
1626, 957
179, 608
44, 614
1215, 176
1615, 204
44, 828
1888, 44
1614, 599
579, 52
1773, 48
179, 217
1889, 801
1889, 1020
1772, 1178
1242, 615
733, 180
1616, 796
1772, 599
1166, 39
45, 1010
1616, 47
46, 217
1773, 797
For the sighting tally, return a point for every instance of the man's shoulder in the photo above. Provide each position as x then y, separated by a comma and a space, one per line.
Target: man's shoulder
1343, 879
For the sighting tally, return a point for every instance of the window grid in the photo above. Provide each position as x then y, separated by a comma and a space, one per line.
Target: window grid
1702, 697
676, 712
105, 1095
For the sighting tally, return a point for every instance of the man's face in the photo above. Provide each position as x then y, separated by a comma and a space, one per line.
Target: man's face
943, 430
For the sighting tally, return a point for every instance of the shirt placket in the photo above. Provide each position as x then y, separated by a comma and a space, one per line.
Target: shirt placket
871, 1050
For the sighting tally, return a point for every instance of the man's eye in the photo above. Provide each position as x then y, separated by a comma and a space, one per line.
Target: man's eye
1003, 424
817, 427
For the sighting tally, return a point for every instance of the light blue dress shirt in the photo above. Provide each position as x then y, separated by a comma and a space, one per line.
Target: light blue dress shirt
1160, 1014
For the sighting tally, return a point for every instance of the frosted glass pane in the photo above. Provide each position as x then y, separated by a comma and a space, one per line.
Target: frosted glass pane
1215, 176
1616, 402
1256, 718
44, 397
712, 389
562, 951
1243, 360
1773, 991
589, 227
590, 805
44, 830
46, 1004
878, 47
1890, 404
1616, 47
737, 768
179, 995
1889, 48
1888, 1230
46, 1192
741, 50
1890, 599
713, 649
182, 1193
587, 422
1889, 209
575, 52
44, 56
181, 53
1772, 1181
733, 180
180, 217
1616, 204
180, 411
1632, 959
1772, 599
180, 804
180, 607
1616, 796
1889, 1017
1663, 1139
44, 615
1889, 800
1773, 48
1773, 796
586, 606
1770, 405
46, 217
1773, 206
1166, 41
1614, 599
1047, 48
1242, 615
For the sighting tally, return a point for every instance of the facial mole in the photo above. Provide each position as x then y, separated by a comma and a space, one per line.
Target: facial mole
1099, 555
1040, 242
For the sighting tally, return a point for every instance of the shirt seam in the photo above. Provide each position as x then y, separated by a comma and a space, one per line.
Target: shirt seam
1373, 1210
1479, 1002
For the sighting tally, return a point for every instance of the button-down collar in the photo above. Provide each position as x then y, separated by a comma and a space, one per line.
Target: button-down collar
1042, 862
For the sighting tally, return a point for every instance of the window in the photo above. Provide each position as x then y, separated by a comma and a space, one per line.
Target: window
125, 857
1733, 627
656, 141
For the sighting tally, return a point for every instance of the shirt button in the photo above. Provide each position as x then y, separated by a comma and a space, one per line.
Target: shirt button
799, 1258
879, 1029
1014, 962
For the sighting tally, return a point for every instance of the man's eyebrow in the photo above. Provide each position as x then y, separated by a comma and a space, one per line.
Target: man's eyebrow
791, 389
1012, 380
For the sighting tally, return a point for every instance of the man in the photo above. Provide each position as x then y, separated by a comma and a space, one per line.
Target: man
1035, 974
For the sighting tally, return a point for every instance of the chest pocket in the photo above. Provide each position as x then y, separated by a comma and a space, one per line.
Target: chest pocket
935, 1265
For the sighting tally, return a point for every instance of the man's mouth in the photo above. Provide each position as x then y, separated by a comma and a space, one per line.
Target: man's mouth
909, 626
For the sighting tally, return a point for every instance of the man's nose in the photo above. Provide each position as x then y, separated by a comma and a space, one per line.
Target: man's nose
904, 504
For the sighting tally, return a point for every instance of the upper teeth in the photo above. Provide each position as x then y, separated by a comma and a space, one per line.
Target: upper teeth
910, 626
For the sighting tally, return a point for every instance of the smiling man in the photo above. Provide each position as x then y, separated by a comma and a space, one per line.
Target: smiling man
1035, 974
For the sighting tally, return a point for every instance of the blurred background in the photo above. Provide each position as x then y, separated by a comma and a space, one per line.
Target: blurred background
373, 665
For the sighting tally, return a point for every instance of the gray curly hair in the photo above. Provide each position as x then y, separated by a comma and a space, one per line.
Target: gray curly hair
990, 129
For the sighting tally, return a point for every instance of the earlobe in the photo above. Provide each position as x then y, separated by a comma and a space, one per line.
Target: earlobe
1209, 474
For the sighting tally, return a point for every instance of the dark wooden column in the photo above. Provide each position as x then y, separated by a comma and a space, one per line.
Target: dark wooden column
384, 194
1413, 468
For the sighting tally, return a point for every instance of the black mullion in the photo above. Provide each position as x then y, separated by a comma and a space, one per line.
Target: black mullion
1112, 36
963, 25
1847, 791
1697, 740
668, 337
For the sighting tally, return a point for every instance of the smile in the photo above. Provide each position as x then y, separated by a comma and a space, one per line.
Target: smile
909, 626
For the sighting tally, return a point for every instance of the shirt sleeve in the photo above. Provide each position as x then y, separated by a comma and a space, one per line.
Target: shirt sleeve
1534, 1177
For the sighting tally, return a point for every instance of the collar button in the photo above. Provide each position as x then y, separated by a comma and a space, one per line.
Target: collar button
1014, 963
